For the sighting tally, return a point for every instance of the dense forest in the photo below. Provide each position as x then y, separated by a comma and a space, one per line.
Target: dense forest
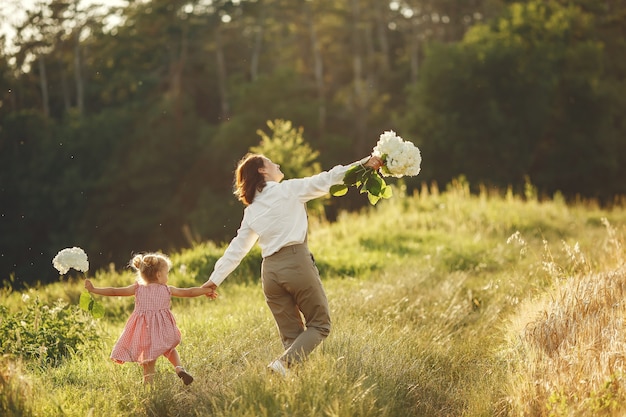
123, 138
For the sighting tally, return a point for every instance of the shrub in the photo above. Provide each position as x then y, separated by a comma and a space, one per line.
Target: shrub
43, 333
194, 266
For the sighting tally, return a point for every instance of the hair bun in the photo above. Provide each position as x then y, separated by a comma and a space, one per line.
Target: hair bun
136, 262
149, 263
150, 260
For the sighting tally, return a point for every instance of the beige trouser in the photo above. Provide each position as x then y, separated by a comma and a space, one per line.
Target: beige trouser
292, 285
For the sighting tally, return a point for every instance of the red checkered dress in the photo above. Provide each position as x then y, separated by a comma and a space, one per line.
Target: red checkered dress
151, 329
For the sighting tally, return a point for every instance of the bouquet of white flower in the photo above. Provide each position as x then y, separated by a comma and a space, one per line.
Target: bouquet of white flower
400, 158
77, 258
71, 258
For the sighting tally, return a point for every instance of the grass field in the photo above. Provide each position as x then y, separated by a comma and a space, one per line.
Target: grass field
443, 304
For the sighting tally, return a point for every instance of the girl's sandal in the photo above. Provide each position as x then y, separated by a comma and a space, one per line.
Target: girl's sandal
184, 375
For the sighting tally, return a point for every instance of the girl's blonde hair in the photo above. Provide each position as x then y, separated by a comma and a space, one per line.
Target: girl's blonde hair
148, 264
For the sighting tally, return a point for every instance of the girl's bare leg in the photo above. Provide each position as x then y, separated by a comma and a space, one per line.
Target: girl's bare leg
174, 358
148, 371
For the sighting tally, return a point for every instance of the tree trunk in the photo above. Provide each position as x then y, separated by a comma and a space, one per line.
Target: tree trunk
318, 69
414, 40
371, 60
43, 83
178, 62
78, 74
221, 75
67, 102
258, 44
360, 95
381, 29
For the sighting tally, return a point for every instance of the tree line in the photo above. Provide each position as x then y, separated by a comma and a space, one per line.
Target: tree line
123, 138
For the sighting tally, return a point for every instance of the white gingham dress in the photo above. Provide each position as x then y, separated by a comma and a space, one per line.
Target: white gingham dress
151, 329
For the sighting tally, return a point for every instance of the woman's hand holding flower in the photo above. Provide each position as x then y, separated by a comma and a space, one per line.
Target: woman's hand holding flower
393, 156
375, 162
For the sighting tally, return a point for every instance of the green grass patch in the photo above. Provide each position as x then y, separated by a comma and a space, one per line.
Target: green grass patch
423, 292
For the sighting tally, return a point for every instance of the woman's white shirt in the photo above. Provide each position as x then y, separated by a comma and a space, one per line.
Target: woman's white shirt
276, 218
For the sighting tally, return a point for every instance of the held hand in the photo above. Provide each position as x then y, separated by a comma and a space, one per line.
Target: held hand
88, 285
211, 285
374, 162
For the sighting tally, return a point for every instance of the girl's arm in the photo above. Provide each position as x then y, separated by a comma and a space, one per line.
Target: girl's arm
110, 291
192, 292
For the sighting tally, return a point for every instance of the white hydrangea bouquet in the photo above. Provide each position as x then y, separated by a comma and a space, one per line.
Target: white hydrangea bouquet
76, 258
400, 158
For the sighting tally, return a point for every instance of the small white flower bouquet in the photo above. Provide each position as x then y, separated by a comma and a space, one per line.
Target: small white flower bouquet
71, 258
400, 158
77, 258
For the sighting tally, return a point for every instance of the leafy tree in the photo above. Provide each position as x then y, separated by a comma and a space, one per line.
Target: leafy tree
168, 101
519, 97
144, 192
25, 186
281, 95
286, 146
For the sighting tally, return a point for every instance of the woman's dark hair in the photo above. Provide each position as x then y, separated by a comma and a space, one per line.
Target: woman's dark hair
248, 179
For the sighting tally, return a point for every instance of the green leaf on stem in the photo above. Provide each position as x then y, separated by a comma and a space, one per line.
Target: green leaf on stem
373, 199
338, 190
353, 175
85, 301
366, 180
365, 175
374, 184
88, 303
98, 310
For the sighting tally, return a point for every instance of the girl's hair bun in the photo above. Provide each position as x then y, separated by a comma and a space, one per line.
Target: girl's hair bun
147, 265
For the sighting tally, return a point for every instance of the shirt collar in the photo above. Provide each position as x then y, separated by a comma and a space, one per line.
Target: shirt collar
268, 185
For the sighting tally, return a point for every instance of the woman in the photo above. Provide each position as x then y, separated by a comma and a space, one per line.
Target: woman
275, 215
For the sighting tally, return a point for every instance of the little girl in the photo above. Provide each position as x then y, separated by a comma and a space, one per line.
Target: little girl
151, 329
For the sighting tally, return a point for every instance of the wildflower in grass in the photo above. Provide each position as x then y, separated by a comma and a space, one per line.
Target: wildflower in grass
400, 158
519, 239
516, 237
76, 258
549, 265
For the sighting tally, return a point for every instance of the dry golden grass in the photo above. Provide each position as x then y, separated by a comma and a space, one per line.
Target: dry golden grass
569, 347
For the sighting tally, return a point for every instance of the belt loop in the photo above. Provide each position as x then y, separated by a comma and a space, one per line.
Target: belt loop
294, 249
